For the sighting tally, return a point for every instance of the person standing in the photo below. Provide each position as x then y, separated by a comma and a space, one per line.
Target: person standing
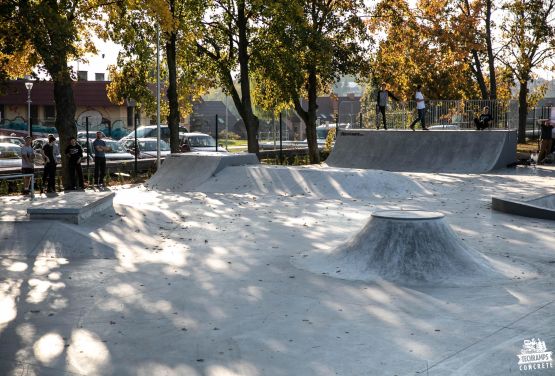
547, 140
49, 172
100, 148
74, 152
421, 108
381, 104
484, 121
27, 163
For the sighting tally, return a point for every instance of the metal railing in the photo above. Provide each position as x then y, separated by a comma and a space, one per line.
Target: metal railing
448, 113
19, 176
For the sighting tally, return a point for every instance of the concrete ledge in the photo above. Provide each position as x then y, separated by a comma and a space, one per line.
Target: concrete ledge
74, 207
541, 207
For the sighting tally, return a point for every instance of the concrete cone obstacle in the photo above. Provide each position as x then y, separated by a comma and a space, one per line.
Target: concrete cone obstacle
410, 247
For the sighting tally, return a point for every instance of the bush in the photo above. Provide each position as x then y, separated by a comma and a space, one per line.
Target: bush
230, 135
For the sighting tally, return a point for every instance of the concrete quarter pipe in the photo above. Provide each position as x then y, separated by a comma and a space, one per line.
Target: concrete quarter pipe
463, 151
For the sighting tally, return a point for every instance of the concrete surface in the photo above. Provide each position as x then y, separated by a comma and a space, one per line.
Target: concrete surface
203, 284
541, 207
462, 151
74, 207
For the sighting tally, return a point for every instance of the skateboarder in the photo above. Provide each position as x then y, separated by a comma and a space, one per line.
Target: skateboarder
421, 108
381, 104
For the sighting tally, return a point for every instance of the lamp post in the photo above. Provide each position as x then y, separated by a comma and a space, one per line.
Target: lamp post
157, 102
130, 119
29, 86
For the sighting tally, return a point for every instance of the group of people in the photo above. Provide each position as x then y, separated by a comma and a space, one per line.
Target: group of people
381, 105
74, 153
481, 122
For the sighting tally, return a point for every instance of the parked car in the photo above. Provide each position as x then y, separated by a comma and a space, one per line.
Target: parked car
92, 135
20, 141
38, 144
150, 131
146, 146
196, 141
118, 152
10, 155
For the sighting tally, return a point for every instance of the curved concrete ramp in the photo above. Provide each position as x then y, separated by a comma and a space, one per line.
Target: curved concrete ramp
311, 181
463, 151
541, 207
184, 172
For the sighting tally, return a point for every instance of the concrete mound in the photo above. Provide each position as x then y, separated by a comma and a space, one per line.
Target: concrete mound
409, 247
311, 181
185, 172
457, 151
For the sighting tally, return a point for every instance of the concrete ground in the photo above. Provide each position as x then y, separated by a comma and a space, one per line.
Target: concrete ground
203, 284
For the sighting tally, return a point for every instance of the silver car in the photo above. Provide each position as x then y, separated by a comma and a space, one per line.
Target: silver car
118, 153
10, 155
146, 146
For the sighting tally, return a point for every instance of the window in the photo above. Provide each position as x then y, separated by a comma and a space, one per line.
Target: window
99, 77
82, 75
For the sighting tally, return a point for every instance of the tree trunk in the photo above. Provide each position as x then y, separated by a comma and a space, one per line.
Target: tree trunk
522, 111
477, 70
309, 117
65, 115
491, 57
249, 118
173, 116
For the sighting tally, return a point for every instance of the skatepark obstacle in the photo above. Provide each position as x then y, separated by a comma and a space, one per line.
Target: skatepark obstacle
457, 151
411, 247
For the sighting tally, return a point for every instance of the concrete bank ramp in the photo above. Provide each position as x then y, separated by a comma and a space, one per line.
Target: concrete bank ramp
184, 172
311, 181
457, 151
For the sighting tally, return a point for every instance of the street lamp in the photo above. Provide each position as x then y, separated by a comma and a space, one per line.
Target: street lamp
29, 86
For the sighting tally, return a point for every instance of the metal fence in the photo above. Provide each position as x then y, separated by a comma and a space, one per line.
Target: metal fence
458, 114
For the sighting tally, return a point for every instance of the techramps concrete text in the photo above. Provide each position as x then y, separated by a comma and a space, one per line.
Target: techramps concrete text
458, 151
184, 172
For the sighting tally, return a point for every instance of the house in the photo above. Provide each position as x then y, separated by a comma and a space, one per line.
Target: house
92, 106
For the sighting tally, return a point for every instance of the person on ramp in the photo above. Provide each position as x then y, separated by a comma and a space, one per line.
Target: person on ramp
484, 121
381, 104
421, 108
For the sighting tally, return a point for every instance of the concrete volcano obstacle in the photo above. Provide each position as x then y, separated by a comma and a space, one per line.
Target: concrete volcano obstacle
411, 247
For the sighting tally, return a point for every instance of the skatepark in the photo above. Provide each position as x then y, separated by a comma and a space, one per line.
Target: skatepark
219, 265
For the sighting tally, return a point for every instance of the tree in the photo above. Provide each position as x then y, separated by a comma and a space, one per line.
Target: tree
426, 45
307, 46
54, 32
529, 36
226, 40
135, 27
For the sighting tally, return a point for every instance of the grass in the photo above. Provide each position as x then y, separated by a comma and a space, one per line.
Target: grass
530, 146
